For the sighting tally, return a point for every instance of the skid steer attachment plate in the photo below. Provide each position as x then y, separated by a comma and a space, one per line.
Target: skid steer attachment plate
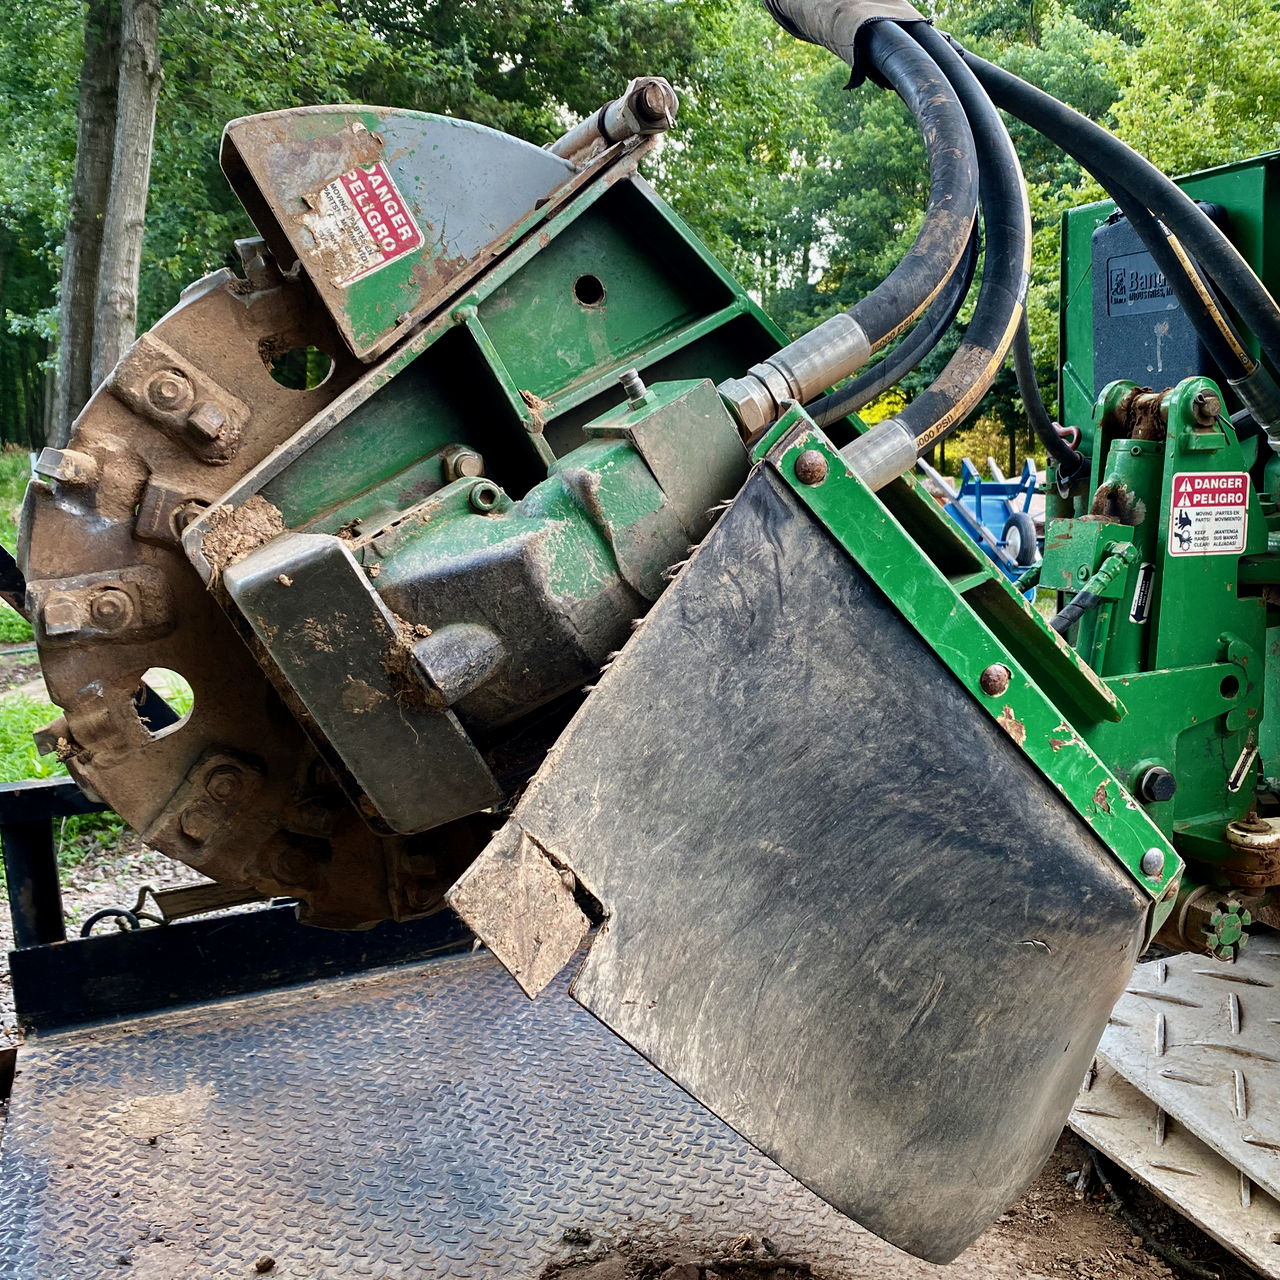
847, 909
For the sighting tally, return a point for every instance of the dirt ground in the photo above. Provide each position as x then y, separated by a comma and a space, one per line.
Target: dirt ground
1052, 1232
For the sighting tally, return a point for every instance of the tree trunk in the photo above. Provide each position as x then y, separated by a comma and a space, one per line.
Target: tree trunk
116, 320
82, 247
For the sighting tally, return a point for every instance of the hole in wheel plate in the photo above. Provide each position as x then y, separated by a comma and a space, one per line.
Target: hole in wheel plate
588, 290
163, 701
1229, 687
302, 368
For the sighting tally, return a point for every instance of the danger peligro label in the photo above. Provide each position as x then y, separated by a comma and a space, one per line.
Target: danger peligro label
360, 224
1209, 514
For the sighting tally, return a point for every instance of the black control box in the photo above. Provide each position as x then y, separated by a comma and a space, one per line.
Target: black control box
1140, 333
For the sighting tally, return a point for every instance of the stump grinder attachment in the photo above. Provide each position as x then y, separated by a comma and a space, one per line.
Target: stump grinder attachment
872, 847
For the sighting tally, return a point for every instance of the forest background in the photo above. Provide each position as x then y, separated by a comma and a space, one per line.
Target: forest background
808, 192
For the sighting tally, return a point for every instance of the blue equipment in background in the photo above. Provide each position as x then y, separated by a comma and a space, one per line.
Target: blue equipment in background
995, 513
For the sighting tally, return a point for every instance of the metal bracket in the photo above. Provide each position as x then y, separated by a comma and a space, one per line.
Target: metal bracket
132, 604
167, 389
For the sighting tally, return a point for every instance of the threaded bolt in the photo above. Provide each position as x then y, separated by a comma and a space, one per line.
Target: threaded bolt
633, 385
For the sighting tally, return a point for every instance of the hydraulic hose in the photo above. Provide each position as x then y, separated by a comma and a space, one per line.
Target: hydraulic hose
1070, 463
949, 217
843, 344
876, 380
1006, 218
1107, 157
1120, 555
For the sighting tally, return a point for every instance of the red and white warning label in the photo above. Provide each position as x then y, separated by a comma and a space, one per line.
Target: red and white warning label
1210, 514
361, 224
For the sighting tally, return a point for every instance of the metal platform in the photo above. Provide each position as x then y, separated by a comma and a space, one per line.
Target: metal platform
1130, 1129
1186, 1094
422, 1121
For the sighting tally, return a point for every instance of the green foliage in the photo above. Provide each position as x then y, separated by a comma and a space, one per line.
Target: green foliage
15, 467
19, 718
77, 836
809, 193
1203, 85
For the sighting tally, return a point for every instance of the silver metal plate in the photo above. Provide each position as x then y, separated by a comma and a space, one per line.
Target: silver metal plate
426, 1121
1131, 1130
1201, 1039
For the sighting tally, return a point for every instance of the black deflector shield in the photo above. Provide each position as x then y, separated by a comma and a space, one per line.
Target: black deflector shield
845, 911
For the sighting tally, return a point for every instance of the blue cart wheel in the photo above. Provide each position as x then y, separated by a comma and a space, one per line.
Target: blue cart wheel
1019, 539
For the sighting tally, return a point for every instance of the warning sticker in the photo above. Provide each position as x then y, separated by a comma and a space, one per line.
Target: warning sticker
1210, 514
361, 224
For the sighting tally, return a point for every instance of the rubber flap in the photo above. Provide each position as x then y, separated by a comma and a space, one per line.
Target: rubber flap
844, 910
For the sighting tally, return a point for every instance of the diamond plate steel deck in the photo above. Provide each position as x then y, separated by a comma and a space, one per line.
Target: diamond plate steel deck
427, 1121
1130, 1129
1201, 1039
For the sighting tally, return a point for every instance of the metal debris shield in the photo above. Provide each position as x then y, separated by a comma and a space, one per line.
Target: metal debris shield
844, 910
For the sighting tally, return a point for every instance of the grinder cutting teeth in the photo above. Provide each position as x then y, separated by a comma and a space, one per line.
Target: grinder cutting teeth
875, 846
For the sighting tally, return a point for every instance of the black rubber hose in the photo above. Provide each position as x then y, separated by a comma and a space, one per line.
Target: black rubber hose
908, 353
1070, 463
1006, 219
1074, 610
949, 217
1212, 328
1107, 157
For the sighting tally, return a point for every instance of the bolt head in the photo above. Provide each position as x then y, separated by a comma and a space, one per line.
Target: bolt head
1153, 864
170, 391
655, 100
224, 783
1206, 408
811, 467
111, 609
1157, 785
199, 820
206, 421
995, 679
633, 385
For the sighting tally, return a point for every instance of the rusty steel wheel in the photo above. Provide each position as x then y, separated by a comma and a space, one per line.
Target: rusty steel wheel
234, 788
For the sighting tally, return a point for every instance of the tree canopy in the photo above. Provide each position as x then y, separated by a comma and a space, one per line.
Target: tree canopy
808, 192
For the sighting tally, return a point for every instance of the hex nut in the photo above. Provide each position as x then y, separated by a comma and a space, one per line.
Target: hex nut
224, 783
995, 679
1153, 864
111, 609
170, 391
460, 462
811, 467
749, 401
